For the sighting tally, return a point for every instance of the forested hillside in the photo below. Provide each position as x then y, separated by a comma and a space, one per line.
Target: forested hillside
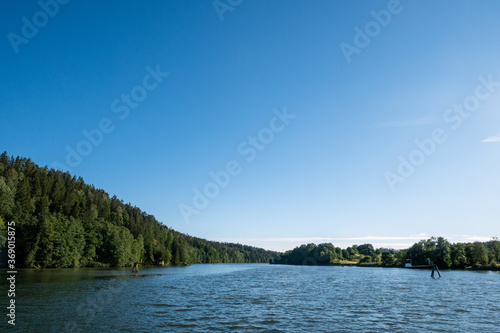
61, 221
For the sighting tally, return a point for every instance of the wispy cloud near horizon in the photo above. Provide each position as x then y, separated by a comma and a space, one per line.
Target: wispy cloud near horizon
395, 242
494, 138
468, 238
316, 239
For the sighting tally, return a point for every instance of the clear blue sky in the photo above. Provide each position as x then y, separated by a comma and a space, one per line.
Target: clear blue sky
321, 176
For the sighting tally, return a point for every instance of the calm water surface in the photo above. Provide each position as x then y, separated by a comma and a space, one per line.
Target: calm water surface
256, 297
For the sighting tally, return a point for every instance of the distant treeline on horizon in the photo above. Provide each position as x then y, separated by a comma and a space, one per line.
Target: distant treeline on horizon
436, 249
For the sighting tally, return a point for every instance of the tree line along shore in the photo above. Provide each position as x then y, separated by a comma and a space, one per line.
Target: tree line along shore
60, 221
475, 255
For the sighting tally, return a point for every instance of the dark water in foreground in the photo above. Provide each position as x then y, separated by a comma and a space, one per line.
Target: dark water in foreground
255, 297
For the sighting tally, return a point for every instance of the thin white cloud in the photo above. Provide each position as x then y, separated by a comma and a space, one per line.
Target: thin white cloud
395, 242
422, 234
407, 123
317, 239
494, 138
468, 238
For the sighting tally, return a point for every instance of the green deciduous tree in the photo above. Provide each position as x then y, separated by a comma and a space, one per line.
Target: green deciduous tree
366, 249
387, 259
479, 254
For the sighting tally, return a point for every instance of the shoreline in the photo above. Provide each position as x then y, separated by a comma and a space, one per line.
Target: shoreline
363, 265
482, 268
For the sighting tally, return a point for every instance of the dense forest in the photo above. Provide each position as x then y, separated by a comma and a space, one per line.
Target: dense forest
60, 221
437, 249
